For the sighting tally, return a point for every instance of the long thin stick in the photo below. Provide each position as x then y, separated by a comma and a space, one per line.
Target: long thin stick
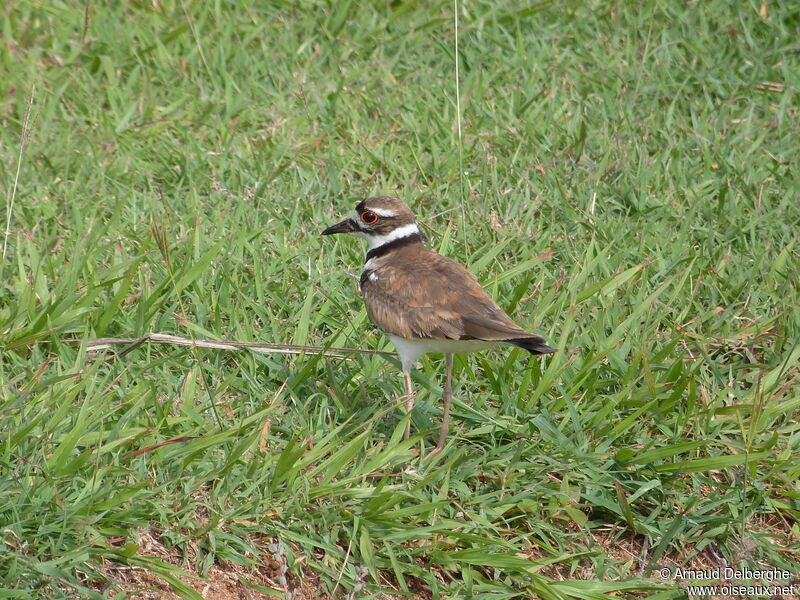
23, 142
458, 124
265, 348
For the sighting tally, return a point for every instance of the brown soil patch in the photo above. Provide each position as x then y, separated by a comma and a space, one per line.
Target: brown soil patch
224, 581
229, 581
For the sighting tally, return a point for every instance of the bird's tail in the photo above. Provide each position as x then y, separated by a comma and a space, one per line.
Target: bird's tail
533, 344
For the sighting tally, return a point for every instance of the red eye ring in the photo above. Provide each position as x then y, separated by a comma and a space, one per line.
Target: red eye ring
369, 217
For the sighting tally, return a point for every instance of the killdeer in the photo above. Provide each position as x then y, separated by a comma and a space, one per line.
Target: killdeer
423, 301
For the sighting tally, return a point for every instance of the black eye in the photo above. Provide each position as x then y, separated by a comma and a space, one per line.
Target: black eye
369, 217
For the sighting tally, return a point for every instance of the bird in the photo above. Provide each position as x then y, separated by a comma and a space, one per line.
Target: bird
423, 301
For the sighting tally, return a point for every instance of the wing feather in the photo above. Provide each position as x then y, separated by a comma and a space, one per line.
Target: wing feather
438, 298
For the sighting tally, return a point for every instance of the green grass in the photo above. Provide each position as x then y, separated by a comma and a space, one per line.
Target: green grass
628, 188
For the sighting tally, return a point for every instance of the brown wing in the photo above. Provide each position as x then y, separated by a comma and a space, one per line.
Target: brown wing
431, 296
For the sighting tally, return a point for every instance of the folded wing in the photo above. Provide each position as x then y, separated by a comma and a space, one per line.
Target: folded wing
440, 299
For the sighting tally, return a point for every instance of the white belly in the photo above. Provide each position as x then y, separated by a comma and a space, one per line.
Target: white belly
411, 350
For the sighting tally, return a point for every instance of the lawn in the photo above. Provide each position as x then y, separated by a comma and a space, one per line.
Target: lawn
622, 177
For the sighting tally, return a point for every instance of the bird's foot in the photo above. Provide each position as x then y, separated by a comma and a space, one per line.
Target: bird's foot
433, 452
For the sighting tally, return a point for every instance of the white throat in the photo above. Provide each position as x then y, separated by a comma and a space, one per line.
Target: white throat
376, 241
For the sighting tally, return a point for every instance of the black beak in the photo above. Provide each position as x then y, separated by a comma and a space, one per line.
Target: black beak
346, 226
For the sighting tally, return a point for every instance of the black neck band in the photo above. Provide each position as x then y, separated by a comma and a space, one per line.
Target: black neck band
414, 238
